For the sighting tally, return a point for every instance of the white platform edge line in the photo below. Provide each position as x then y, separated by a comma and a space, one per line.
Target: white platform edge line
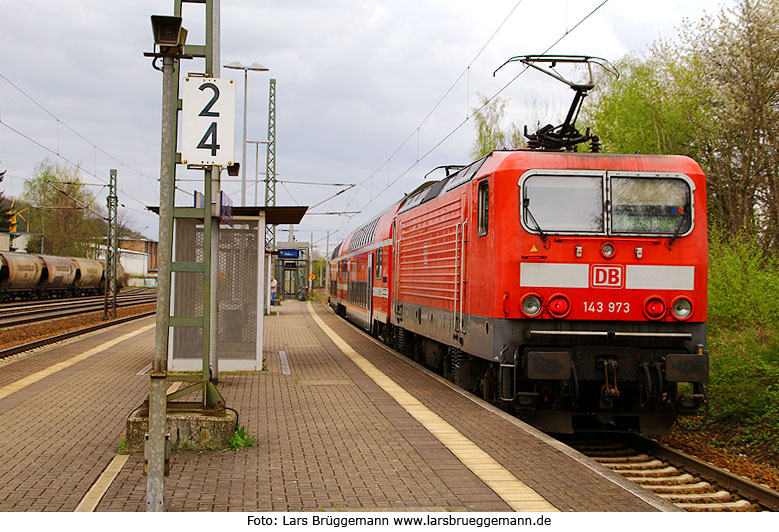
101, 485
284, 363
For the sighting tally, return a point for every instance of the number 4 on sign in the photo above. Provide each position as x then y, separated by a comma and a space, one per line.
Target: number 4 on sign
213, 146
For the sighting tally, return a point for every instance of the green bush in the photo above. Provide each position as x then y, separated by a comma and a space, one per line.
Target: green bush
744, 377
743, 346
743, 284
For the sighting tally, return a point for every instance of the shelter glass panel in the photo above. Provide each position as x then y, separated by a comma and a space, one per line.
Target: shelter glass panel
187, 293
237, 291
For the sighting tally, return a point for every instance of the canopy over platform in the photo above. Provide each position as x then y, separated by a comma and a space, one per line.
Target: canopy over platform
273, 215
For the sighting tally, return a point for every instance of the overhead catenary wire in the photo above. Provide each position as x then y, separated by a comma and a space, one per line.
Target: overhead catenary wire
69, 128
416, 130
73, 164
485, 104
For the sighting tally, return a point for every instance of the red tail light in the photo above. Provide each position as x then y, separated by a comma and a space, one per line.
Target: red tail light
558, 306
654, 308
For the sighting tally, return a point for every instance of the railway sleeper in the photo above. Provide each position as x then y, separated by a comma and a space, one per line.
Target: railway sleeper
735, 506
626, 459
639, 473
695, 487
616, 454
700, 498
645, 465
649, 482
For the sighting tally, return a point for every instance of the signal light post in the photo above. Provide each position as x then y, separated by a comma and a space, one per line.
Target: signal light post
219, 111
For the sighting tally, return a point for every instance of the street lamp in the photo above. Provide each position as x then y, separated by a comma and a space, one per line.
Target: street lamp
235, 65
257, 165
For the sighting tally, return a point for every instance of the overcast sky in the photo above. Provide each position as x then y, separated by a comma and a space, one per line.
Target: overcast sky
355, 79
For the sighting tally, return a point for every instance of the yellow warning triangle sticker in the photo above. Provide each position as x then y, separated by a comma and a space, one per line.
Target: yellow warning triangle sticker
534, 249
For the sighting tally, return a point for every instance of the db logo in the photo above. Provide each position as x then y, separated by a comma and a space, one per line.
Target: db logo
607, 276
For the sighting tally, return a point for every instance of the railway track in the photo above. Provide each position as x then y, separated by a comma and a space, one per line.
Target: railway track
11, 315
14, 306
15, 350
689, 483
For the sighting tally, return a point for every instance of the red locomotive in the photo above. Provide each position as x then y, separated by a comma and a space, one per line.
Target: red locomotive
572, 286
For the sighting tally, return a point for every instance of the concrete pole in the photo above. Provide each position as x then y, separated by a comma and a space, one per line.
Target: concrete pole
327, 263
261, 281
256, 173
243, 140
269, 264
155, 447
311, 266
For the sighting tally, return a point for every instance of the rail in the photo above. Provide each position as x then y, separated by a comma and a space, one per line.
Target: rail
10, 351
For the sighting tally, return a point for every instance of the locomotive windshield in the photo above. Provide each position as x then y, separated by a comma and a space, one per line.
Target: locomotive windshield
555, 202
647, 205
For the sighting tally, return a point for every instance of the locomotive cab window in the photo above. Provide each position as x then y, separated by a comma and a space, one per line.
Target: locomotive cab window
484, 207
646, 205
563, 203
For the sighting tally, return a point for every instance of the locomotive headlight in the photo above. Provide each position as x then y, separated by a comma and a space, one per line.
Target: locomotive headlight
607, 250
531, 306
681, 308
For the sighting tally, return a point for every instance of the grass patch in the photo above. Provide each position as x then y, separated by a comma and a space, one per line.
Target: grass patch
241, 439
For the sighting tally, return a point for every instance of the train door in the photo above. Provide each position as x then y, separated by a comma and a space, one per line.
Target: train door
349, 294
369, 285
395, 273
461, 263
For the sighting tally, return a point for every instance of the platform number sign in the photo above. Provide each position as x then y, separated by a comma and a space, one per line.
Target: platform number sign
208, 121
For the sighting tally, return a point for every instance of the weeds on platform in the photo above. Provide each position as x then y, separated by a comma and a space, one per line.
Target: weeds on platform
241, 439
122, 446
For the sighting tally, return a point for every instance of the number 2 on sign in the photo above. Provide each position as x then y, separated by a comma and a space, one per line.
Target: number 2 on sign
211, 131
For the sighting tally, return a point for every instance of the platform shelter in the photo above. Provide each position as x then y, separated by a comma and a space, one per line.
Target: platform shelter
240, 289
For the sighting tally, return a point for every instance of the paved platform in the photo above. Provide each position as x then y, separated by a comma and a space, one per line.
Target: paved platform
342, 423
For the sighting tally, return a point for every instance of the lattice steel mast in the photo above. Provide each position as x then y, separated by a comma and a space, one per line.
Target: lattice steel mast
111, 249
270, 169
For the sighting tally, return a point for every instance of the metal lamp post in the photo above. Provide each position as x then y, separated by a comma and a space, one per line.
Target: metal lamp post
236, 65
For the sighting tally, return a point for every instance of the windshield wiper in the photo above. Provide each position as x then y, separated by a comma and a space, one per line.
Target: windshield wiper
526, 204
678, 229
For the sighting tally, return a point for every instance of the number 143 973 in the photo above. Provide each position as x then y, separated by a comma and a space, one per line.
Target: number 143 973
610, 306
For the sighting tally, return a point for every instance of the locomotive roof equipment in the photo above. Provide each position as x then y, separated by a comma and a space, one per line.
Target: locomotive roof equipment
565, 136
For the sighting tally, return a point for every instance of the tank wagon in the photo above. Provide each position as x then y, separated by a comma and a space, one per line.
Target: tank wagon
571, 287
30, 276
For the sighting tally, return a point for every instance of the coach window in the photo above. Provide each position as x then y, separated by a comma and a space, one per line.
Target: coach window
484, 207
377, 267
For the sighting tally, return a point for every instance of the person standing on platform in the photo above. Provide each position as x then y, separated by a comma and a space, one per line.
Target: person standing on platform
273, 285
